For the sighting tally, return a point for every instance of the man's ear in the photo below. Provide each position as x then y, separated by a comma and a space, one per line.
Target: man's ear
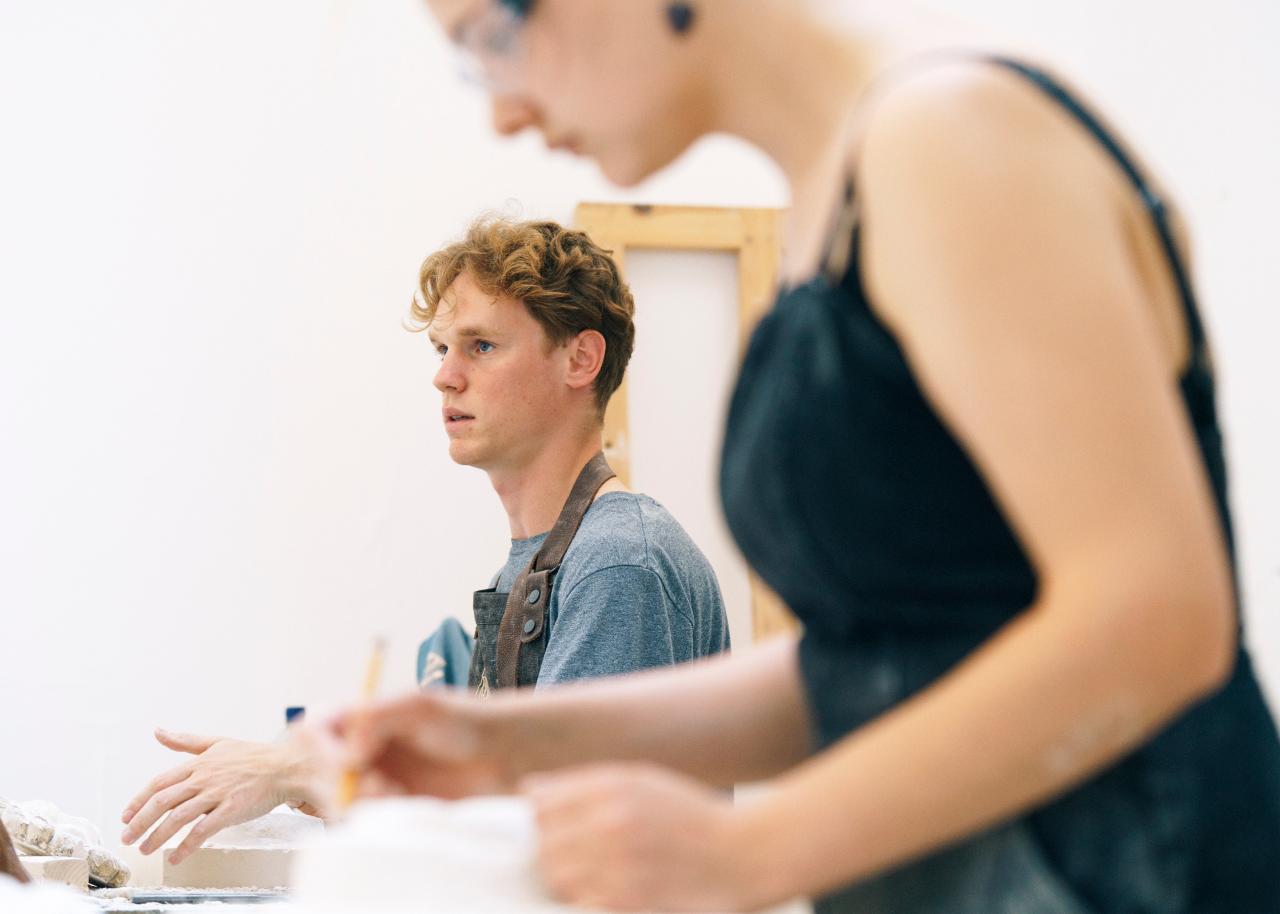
586, 355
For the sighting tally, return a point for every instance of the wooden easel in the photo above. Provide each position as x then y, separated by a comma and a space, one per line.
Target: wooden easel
752, 235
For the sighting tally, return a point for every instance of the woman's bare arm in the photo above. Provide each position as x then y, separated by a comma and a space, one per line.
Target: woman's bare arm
723, 720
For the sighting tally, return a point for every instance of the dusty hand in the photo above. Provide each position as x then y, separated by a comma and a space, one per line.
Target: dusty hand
633, 837
227, 782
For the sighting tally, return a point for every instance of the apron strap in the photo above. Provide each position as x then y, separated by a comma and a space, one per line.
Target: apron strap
595, 474
525, 616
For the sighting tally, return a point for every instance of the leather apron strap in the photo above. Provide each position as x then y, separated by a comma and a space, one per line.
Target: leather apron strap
520, 636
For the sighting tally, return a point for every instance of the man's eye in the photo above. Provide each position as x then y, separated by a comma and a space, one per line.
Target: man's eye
484, 346
441, 350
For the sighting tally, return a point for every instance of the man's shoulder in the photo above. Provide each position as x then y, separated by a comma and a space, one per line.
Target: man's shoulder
615, 531
628, 528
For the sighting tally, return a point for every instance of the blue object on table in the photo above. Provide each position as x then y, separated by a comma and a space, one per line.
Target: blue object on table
294, 712
444, 658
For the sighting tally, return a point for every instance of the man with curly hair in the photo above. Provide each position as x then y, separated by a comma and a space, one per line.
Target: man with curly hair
533, 327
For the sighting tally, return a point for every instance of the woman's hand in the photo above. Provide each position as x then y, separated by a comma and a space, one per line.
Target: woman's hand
635, 837
426, 744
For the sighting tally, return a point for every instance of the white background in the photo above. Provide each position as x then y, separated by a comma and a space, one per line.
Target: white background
221, 471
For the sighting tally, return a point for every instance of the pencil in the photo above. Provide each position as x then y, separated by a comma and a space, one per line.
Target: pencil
373, 672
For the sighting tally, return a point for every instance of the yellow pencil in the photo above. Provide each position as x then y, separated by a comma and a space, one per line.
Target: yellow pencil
351, 777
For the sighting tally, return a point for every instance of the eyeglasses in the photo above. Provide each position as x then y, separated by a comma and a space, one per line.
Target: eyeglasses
491, 47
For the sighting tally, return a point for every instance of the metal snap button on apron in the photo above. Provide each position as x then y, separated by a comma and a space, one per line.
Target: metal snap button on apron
533, 596
529, 625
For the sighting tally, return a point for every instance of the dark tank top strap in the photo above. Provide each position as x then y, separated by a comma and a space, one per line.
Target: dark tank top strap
842, 238
1154, 204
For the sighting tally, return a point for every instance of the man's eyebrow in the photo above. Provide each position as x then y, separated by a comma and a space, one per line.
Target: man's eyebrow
473, 332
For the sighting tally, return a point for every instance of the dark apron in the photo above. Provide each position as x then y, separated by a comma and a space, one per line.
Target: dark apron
511, 628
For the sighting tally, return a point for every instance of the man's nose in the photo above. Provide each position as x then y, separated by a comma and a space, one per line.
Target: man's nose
448, 377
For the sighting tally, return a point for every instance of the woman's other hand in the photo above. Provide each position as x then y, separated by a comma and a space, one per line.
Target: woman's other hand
633, 837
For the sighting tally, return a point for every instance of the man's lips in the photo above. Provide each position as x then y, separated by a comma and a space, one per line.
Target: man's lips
452, 415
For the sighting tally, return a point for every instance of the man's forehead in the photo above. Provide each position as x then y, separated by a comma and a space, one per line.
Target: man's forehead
468, 311
464, 297
448, 317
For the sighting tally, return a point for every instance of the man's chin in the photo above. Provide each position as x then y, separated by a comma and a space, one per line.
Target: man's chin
459, 454
466, 456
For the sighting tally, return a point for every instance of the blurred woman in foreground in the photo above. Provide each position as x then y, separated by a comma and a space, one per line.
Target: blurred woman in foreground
974, 448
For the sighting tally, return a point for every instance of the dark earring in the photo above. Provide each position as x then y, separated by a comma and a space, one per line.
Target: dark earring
680, 17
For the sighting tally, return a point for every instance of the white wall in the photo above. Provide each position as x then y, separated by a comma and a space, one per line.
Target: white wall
221, 471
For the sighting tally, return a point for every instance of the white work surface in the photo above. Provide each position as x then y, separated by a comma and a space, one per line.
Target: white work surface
388, 856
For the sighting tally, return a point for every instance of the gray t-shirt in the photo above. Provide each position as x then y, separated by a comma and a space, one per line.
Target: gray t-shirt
633, 592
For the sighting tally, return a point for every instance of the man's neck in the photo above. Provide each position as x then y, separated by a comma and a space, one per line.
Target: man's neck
534, 494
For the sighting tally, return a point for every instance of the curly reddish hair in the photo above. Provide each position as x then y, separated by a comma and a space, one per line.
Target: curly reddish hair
566, 281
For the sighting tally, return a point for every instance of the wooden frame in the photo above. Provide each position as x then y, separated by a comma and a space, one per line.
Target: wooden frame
751, 234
